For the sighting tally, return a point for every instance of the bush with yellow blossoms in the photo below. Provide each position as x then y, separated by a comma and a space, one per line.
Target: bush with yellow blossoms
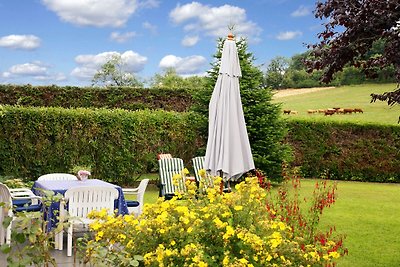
204, 227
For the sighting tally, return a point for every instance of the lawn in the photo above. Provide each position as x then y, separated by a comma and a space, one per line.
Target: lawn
367, 213
357, 96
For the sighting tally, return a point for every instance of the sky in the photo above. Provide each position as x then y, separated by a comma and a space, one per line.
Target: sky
64, 42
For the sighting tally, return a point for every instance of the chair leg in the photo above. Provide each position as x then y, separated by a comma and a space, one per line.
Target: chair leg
69, 241
8, 234
2, 235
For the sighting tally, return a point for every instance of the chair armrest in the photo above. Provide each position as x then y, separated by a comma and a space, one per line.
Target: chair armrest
130, 190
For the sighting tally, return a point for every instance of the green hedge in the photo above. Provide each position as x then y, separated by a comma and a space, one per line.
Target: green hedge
118, 144
93, 97
346, 151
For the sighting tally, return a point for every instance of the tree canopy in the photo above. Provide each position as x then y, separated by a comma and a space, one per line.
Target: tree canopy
353, 29
114, 73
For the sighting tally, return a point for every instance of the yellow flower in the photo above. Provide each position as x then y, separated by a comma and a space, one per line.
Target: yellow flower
334, 254
225, 261
95, 225
229, 232
99, 235
202, 172
243, 260
239, 207
185, 171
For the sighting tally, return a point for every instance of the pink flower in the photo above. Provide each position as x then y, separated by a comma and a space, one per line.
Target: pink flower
83, 174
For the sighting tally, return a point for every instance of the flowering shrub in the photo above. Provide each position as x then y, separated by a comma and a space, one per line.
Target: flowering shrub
205, 228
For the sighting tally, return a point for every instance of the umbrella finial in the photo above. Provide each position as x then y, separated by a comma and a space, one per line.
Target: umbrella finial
230, 36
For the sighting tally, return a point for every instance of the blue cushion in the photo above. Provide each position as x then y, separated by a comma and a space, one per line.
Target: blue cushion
132, 203
21, 202
29, 208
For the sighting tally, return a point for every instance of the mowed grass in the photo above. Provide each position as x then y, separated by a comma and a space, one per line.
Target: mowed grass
368, 214
357, 96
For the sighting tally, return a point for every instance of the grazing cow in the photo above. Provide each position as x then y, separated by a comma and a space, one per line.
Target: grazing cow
312, 111
321, 110
340, 111
329, 112
359, 110
294, 112
348, 110
286, 111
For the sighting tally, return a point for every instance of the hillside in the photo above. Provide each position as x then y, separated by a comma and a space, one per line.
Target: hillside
301, 101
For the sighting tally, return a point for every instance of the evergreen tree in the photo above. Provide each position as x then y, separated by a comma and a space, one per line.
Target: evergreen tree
265, 128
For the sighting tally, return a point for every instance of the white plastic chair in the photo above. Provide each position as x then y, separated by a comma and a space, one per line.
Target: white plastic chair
136, 206
18, 199
81, 201
57, 176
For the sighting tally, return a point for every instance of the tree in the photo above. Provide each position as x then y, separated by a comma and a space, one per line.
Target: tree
113, 73
170, 79
353, 29
265, 128
275, 74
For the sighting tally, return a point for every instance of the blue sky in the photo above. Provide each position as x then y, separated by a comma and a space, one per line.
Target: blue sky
64, 42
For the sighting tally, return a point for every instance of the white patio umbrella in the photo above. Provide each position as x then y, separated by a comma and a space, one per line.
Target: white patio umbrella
228, 151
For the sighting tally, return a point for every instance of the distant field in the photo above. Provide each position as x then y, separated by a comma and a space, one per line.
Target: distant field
357, 96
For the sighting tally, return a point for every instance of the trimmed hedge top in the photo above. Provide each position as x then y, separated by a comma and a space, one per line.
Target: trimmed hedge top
128, 98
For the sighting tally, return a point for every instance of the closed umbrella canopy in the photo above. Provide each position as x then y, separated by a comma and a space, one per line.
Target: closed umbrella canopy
228, 147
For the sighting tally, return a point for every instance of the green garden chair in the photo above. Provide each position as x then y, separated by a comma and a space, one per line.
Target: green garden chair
198, 164
168, 167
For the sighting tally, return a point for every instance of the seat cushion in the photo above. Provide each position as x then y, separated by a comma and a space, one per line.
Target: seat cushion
21, 202
132, 203
28, 208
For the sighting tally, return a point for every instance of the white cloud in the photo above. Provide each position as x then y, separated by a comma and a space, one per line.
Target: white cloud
288, 35
23, 42
149, 4
122, 37
36, 70
150, 27
97, 13
88, 65
214, 21
187, 65
190, 40
301, 11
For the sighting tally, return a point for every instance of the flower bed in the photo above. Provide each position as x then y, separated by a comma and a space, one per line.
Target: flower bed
208, 228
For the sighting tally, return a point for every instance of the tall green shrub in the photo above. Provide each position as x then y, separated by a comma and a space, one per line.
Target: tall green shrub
346, 151
118, 144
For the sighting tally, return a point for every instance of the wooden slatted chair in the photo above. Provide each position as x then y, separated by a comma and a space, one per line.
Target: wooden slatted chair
167, 169
81, 201
136, 206
164, 156
198, 164
57, 176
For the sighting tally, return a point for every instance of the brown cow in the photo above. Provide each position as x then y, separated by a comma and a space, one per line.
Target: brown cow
359, 110
286, 111
329, 112
348, 110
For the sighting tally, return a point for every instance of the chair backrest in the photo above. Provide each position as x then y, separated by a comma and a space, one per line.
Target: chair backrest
82, 200
5, 210
141, 189
167, 169
57, 176
164, 156
198, 164
6, 202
